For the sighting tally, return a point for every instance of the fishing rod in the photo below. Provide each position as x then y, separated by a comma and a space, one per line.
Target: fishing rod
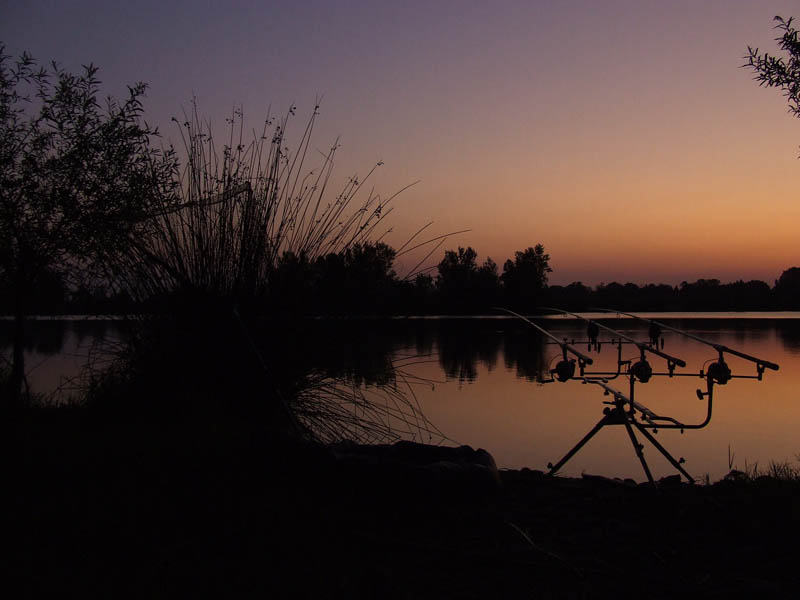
624, 409
565, 369
718, 371
641, 369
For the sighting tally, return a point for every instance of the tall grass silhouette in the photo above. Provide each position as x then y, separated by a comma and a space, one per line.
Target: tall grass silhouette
246, 207
208, 259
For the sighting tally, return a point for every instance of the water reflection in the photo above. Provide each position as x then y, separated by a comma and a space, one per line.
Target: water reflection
44, 338
366, 352
461, 349
525, 426
47, 337
789, 334
486, 392
525, 353
487, 398
57, 350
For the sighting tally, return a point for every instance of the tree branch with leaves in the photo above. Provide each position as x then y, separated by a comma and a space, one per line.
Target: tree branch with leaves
78, 176
780, 71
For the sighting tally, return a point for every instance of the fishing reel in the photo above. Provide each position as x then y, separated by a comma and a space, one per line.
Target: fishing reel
641, 370
719, 372
564, 370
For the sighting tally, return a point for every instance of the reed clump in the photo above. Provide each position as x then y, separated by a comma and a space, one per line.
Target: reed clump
778, 470
242, 212
237, 236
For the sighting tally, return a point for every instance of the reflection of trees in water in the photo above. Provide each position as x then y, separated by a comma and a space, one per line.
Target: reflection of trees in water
91, 330
461, 348
751, 331
367, 362
368, 353
735, 334
789, 333
360, 352
525, 352
424, 339
45, 337
6, 333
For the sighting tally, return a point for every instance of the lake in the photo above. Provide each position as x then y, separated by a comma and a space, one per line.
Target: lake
477, 381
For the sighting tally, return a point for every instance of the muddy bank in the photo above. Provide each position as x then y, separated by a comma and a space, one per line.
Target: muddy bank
157, 514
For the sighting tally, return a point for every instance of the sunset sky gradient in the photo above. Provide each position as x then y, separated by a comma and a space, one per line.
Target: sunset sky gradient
624, 136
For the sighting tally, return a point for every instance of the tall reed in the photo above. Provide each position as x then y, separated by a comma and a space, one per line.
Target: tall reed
229, 220
244, 208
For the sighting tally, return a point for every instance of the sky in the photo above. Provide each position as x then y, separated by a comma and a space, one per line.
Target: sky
623, 136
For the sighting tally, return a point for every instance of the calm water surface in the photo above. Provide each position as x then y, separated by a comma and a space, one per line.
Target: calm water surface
476, 380
494, 402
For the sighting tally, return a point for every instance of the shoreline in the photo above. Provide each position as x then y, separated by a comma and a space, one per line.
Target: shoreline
232, 512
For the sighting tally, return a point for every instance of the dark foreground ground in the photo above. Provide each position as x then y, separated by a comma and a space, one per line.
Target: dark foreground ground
135, 512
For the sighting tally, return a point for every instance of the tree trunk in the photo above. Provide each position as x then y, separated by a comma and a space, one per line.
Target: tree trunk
14, 397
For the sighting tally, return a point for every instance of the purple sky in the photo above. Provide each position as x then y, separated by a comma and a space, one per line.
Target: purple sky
622, 135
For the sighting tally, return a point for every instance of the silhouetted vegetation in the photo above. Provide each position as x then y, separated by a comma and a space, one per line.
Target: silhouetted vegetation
525, 278
361, 281
93, 218
251, 233
464, 286
77, 182
787, 289
780, 71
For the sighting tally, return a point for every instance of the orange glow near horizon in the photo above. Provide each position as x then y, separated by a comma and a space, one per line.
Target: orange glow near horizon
624, 136
627, 215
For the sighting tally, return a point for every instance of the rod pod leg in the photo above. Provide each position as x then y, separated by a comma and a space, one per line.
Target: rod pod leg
638, 448
606, 420
664, 451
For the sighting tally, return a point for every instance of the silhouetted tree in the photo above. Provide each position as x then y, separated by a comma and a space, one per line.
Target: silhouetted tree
703, 294
291, 283
777, 71
359, 278
370, 263
370, 275
421, 294
76, 178
575, 296
787, 289
458, 271
746, 295
657, 297
610, 295
463, 285
486, 290
526, 276
457, 268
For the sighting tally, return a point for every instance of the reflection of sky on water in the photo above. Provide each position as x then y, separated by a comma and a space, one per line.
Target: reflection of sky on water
529, 424
790, 336
56, 350
484, 391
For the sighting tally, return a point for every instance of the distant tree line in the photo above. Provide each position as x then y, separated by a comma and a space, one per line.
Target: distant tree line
362, 281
